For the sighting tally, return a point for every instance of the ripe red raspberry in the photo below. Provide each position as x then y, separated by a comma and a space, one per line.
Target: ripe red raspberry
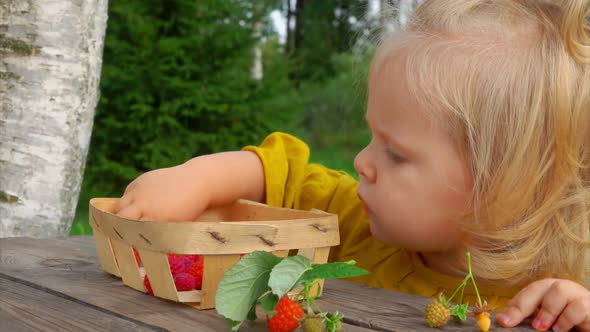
184, 281
184, 262
148, 286
287, 317
196, 270
176, 266
192, 258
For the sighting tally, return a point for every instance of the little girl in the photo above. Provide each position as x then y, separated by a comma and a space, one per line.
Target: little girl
480, 120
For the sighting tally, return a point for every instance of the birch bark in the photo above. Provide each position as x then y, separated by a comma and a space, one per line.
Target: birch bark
50, 63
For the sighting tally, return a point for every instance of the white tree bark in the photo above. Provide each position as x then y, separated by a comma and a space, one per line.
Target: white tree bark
257, 71
406, 7
50, 63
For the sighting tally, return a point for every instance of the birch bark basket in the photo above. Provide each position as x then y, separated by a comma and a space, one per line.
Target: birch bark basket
50, 63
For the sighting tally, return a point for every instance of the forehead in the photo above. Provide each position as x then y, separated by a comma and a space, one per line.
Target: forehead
393, 87
389, 97
393, 111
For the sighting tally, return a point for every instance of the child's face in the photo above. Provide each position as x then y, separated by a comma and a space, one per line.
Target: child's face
413, 181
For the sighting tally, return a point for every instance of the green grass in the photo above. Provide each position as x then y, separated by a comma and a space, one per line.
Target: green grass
338, 150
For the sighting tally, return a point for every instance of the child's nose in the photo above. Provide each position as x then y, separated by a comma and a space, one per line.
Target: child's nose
364, 166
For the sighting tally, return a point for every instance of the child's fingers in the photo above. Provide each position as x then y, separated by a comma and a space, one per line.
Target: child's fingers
122, 203
524, 303
130, 186
130, 212
554, 302
576, 314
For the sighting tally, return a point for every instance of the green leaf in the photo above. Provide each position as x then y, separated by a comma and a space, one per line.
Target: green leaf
268, 302
333, 322
286, 274
460, 311
333, 271
252, 313
233, 324
243, 284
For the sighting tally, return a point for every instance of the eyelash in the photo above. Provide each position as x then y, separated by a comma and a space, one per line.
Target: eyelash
393, 156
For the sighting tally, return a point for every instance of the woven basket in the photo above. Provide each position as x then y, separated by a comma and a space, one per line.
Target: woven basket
220, 235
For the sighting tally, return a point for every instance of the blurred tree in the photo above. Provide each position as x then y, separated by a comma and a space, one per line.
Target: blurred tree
177, 83
322, 29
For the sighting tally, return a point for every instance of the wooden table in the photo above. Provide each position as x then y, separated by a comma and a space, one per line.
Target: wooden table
57, 285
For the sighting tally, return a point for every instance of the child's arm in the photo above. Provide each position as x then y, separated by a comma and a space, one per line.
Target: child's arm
562, 305
183, 192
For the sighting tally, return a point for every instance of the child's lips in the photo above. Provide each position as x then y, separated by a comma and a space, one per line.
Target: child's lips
365, 206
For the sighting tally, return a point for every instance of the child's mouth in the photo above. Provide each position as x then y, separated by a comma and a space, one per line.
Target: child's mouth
365, 206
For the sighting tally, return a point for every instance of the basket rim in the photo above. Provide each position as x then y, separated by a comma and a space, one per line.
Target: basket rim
312, 229
313, 213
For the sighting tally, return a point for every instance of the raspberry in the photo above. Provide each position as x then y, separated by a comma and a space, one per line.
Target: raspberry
176, 266
192, 258
148, 286
184, 281
137, 258
313, 324
196, 270
437, 313
184, 262
189, 260
483, 321
482, 316
286, 319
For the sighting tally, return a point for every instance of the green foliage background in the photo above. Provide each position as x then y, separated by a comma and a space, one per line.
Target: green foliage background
176, 83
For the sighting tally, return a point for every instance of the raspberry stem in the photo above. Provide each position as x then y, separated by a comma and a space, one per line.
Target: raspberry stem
309, 300
473, 279
461, 287
312, 307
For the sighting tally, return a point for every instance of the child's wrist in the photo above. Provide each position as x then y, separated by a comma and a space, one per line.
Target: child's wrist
225, 177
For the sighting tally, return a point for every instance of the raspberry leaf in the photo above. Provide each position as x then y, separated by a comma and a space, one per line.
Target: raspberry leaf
333, 271
333, 322
252, 313
460, 311
268, 302
286, 274
243, 284
233, 324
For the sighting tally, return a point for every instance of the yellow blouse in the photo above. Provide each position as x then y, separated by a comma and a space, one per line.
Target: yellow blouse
292, 182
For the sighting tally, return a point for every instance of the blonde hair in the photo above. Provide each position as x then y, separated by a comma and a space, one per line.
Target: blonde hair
514, 75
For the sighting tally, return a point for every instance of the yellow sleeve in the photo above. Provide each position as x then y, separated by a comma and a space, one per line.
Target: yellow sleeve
292, 182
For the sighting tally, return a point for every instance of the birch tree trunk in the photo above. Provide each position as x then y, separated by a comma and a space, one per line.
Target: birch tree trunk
257, 72
50, 62
406, 7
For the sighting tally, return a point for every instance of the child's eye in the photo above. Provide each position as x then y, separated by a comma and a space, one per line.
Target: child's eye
393, 156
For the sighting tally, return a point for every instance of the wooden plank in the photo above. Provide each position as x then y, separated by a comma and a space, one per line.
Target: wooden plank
157, 269
105, 253
215, 268
384, 310
24, 308
127, 265
70, 267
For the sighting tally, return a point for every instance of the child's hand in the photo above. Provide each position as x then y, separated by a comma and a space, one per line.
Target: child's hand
556, 303
167, 194
183, 192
